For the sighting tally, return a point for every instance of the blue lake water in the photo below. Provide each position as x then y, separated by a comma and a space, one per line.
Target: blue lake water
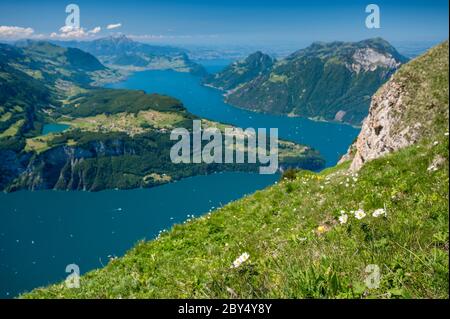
54, 128
42, 232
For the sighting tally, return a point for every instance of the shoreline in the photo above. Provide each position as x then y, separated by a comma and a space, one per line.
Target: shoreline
314, 119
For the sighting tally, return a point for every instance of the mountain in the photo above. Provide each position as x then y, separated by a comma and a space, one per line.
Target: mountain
120, 45
327, 81
256, 64
324, 235
34, 75
20, 97
48, 62
115, 138
123, 53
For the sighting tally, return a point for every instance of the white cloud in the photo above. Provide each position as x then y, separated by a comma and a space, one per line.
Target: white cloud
12, 32
95, 30
113, 26
67, 29
69, 32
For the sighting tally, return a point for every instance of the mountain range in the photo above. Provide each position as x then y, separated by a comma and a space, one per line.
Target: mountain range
124, 53
325, 81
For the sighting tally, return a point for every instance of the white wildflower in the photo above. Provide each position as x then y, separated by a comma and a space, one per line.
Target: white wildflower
360, 214
435, 143
343, 218
379, 212
446, 134
241, 259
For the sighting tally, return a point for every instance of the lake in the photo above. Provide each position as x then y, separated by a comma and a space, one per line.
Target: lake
54, 128
42, 232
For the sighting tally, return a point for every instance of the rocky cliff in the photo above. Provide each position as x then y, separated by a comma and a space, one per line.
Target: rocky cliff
411, 106
61, 167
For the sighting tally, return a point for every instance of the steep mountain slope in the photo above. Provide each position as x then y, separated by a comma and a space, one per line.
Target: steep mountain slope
329, 81
21, 96
240, 72
323, 235
123, 53
33, 76
52, 63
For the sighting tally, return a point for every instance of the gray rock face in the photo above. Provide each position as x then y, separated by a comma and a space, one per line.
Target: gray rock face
58, 168
368, 59
410, 107
379, 134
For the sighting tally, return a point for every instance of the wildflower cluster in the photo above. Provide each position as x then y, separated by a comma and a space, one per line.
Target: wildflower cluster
350, 180
360, 214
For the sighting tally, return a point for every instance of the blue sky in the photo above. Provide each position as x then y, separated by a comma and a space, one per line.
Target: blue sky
234, 22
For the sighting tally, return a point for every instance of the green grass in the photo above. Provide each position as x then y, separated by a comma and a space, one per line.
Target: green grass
289, 257
13, 129
128, 122
5, 117
426, 81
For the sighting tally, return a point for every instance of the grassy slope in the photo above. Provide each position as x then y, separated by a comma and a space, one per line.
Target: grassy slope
296, 245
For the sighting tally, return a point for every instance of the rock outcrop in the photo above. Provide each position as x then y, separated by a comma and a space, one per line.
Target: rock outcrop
378, 135
405, 109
